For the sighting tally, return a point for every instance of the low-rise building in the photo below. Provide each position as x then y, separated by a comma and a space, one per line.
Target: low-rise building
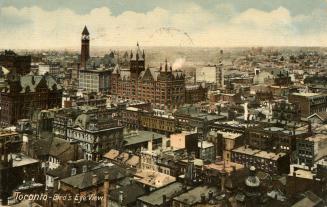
309, 103
270, 162
161, 197
311, 149
195, 196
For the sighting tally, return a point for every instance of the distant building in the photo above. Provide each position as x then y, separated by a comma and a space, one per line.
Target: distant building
95, 80
284, 111
309, 103
162, 87
94, 133
195, 93
207, 151
275, 139
12, 61
311, 149
158, 122
220, 75
270, 162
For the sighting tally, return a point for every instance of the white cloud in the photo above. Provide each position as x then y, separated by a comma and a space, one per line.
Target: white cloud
33, 27
262, 19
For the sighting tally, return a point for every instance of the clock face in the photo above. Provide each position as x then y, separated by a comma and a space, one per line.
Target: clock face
85, 37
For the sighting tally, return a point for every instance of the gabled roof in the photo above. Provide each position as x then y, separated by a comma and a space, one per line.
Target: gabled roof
55, 147
153, 72
321, 115
84, 180
130, 193
33, 81
64, 171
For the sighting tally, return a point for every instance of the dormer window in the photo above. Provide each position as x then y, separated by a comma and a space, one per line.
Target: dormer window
84, 168
73, 172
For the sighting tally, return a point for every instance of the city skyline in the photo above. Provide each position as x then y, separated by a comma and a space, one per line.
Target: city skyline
45, 25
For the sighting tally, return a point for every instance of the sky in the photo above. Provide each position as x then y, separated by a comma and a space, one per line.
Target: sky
46, 24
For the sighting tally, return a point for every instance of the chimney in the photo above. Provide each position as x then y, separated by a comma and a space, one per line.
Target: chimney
150, 144
73, 171
121, 197
164, 142
203, 198
55, 184
74, 146
106, 189
94, 180
164, 201
309, 127
210, 195
234, 168
223, 180
194, 77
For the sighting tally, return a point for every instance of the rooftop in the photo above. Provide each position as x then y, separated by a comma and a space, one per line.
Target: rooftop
317, 138
259, 153
307, 94
153, 179
194, 196
155, 198
229, 135
137, 137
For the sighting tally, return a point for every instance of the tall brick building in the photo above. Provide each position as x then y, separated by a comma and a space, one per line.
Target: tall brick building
163, 87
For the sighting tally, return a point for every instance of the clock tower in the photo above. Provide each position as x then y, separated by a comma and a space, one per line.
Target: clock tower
85, 48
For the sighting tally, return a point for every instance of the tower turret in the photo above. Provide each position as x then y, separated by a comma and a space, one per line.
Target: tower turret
137, 63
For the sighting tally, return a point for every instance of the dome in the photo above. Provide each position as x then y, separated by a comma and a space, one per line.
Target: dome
252, 180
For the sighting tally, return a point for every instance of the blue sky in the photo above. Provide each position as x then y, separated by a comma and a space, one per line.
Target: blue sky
58, 23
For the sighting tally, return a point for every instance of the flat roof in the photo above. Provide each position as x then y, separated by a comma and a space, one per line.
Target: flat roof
306, 94
259, 153
229, 135
205, 144
153, 178
22, 160
141, 136
317, 138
